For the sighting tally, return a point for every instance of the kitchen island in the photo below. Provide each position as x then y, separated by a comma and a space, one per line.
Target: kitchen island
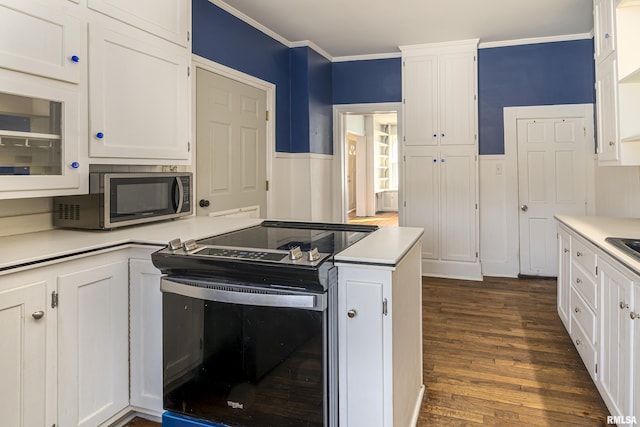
59, 287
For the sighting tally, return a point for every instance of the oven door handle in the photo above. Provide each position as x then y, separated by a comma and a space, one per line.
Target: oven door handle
243, 296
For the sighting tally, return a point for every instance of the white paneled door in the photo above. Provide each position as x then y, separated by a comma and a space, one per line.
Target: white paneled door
552, 181
231, 144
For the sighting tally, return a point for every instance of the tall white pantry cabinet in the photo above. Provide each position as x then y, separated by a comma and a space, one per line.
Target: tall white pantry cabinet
440, 153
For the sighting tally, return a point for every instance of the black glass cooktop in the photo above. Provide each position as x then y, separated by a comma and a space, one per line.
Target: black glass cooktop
285, 235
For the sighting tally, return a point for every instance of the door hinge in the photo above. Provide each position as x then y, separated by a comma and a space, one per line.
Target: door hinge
475, 98
404, 100
54, 299
266, 115
266, 185
385, 307
188, 35
403, 63
188, 71
474, 58
404, 158
405, 204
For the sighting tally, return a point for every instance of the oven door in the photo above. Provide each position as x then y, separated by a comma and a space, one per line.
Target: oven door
245, 356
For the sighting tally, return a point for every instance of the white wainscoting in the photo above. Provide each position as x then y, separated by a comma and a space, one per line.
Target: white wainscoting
498, 245
302, 186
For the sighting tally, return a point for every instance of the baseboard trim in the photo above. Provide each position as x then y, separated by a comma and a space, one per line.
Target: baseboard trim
452, 269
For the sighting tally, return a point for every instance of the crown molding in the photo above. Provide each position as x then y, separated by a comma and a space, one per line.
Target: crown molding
536, 40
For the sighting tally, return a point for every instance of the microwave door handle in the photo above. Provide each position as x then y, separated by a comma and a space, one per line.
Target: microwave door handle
179, 193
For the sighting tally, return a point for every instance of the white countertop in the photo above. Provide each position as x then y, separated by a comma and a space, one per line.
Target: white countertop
385, 246
33, 247
597, 228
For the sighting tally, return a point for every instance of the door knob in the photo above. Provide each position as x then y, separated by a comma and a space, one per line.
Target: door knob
524, 208
38, 314
204, 203
352, 313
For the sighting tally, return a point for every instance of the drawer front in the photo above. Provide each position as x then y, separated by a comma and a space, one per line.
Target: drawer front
585, 349
583, 316
584, 284
583, 256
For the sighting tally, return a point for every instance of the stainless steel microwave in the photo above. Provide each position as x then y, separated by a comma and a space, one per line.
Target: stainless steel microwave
121, 199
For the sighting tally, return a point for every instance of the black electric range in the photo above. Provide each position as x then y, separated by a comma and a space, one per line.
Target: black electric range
297, 254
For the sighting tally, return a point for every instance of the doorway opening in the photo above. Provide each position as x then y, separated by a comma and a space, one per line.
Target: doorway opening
367, 144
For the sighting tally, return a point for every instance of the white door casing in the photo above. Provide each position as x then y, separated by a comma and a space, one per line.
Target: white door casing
231, 138
511, 174
340, 196
511, 242
552, 181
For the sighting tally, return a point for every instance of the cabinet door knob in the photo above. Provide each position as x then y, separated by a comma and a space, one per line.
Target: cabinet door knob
633, 315
578, 342
606, 36
38, 314
75, 58
611, 143
75, 165
623, 305
578, 253
566, 250
578, 280
99, 135
577, 310
352, 313
524, 208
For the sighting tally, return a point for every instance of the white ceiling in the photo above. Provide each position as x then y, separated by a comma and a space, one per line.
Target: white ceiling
344, 28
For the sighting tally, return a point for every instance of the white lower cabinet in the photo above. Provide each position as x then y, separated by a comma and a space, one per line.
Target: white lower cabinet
603, 321
616, 351
71, 335
93, 343
146, 336
564, 277
380, 343
23, 351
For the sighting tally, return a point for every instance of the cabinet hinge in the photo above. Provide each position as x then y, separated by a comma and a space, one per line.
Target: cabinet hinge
596, 368
384, 307
404, 158
405, 204
476, 254
474, 58
266, 115
596, 271
188, 71
54, 299
475, 97
403, 63
404, 100
188, 147
476, 206
266, 185
188, 35
585, 131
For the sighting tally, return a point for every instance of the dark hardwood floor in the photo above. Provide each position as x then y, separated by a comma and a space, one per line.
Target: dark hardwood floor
496, 354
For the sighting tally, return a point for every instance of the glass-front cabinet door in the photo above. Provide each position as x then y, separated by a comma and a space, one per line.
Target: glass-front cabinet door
39, 132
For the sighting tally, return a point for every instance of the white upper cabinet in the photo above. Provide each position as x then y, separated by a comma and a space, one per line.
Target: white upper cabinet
604, 25
40, 40
439, 91
40, 126
168, 19
616, 33
138, 97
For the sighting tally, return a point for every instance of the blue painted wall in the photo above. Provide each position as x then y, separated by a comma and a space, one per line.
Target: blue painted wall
225, 39
307, 84
537, 74
320, 104
378, 80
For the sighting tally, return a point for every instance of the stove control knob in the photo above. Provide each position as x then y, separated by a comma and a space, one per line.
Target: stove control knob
189, 245
295, 253
313, 255
175, 244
